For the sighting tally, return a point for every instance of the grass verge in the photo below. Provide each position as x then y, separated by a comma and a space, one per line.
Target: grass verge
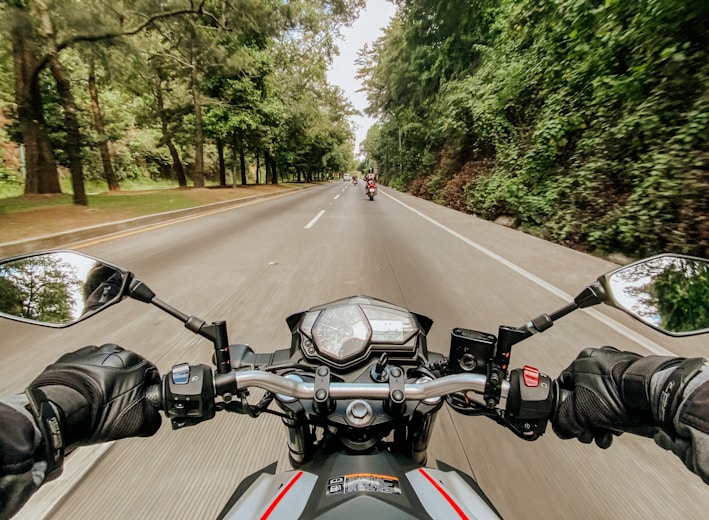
39, 215
141, 199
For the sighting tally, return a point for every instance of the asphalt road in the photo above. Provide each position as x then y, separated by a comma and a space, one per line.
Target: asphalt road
256, 264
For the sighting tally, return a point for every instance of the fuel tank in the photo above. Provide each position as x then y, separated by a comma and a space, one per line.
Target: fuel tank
343, 486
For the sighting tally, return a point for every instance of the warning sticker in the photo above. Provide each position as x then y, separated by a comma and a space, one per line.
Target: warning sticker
358, 482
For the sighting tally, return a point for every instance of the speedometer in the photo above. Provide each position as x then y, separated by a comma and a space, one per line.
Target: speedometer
350, 331
341, 333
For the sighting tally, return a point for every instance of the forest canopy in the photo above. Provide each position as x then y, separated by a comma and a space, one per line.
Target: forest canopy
177, 89
585, 122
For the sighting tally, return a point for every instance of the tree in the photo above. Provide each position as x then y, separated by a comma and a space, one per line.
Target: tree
586, 122
681, 292
37, 43
39, 289
155, 75
197, 67
106, 164
42, 176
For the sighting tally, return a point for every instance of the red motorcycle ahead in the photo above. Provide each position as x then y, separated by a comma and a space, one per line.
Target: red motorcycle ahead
371, 189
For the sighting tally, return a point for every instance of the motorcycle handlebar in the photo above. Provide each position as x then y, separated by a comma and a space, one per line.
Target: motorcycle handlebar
412, 392
187, 394
242, 380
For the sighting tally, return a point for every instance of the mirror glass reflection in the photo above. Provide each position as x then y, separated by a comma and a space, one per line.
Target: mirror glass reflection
57, 288
670, 293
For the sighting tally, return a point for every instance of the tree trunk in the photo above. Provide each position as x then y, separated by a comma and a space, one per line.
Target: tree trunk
41, 167
108, 173
222, 164
272, 163
258, 167
73, 131
198, 178
267, 167
242, 160
176, 162
233, 170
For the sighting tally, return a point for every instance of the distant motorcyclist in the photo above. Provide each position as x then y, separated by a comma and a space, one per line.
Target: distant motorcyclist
98, 394
370, 181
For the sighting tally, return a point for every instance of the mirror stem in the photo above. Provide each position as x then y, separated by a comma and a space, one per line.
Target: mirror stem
591, 295
567, 309
141, 292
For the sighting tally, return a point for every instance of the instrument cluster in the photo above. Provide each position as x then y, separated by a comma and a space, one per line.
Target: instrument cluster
349, 331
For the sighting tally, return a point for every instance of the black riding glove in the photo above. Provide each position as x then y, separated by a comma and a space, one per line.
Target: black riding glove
93, 395
609, 392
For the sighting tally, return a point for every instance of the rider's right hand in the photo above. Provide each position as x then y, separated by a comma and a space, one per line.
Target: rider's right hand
609, 391
93, 395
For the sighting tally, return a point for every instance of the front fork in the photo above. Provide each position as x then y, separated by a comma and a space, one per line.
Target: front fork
420, 430
301, 441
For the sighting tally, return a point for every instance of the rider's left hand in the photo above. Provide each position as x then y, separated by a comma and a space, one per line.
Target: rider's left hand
93, 395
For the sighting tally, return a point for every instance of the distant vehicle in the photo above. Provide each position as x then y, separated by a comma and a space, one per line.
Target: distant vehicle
346, 177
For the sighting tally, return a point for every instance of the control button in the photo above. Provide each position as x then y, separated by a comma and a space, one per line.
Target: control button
181, 374
530, 375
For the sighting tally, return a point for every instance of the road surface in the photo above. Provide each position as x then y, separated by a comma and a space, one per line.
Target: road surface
256, 264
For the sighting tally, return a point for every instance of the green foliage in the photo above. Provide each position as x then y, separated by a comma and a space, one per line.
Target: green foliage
258, 73
682, 296
38, 289
594, 115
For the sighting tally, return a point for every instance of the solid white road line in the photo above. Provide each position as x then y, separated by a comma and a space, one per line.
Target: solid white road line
618, 327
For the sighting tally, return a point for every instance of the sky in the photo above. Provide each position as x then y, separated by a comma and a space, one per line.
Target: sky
366, 29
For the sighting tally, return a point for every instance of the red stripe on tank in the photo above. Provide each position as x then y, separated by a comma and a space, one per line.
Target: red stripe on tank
281, 495
442, 491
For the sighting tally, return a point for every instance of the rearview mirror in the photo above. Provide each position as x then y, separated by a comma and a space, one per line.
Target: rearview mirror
58, 288
667, 292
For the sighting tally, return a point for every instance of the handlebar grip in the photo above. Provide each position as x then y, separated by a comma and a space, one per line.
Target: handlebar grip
153, 394
561, 394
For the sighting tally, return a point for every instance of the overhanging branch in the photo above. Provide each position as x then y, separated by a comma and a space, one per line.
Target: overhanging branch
197, 10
